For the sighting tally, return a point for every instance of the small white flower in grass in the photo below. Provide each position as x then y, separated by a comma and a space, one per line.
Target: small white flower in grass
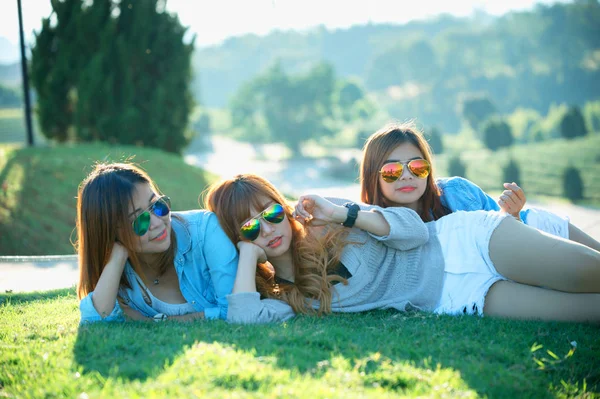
45, 357
77, 375
83, 395
574, 344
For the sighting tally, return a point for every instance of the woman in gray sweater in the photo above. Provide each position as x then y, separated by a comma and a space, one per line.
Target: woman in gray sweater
327, 257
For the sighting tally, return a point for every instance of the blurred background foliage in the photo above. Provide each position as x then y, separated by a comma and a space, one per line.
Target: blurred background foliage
514, 95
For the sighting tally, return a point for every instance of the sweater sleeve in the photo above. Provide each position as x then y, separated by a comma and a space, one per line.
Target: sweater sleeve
248, 308
407, 230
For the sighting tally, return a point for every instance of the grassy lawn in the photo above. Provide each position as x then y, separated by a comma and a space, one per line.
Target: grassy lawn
376, 355
38, 190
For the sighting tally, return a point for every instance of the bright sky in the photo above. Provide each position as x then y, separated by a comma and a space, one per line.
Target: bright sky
215, 20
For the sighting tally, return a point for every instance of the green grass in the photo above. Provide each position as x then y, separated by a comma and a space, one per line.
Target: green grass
541, 166
38, 190
380, 354
12, 127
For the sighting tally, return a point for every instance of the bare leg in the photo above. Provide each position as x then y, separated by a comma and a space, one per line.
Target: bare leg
519, 301
577, 235
529, 256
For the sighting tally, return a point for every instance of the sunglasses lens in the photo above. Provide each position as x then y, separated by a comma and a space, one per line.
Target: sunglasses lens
274, 214
420, 168
390, 172
141, 224
162, 207
251, 229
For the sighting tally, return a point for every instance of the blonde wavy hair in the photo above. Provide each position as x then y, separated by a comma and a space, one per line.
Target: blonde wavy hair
315, 256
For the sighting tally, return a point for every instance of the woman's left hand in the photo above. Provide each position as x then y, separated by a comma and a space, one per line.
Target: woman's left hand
318, 211
512, 199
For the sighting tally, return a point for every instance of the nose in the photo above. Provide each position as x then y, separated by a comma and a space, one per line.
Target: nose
266, 228
155, 221
406, 173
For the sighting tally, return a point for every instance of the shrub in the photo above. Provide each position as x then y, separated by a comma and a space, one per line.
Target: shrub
456, 167
572, 184
511, 173
572, 124
497, 134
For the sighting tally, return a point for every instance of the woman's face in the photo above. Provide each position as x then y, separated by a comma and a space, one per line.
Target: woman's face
274, 238
158, 237
408, 189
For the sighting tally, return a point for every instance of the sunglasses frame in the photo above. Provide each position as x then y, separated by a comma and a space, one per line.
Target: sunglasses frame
261, 216
151, 209
406, 165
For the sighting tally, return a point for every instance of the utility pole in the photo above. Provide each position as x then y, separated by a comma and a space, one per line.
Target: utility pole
25, 79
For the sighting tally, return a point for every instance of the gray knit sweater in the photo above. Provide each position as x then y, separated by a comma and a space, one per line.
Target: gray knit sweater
403, 269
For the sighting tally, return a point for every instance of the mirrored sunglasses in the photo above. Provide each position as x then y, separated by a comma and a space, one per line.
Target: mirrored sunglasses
251, 229
161, 207
390, 172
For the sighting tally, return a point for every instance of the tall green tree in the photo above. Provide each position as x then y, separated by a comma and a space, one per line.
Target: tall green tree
290, 109
116, 71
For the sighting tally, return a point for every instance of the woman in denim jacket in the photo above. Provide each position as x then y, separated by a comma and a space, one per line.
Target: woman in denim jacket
138, 260
394, 156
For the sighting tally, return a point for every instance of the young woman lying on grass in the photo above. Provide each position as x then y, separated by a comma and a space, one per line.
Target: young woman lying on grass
139, 259
324, 257
397, 170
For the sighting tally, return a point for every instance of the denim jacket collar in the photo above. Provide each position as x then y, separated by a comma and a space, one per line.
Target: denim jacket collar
182, 233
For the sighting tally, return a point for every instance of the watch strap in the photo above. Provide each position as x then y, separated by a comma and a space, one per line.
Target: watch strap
352, 214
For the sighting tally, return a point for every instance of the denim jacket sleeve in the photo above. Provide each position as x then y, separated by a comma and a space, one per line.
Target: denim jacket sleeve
89, 314
222, 260
459, 194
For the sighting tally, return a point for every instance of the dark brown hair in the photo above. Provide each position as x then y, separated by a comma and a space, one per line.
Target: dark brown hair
376, 151
103, 201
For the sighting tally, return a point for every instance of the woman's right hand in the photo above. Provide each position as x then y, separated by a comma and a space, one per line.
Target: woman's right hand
249, 249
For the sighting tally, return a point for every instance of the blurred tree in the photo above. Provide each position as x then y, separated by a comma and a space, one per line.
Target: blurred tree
572, 124
476, 110
511, 173
434, 138
572, 184
276, 107
115, 71
591, 112
348, 93
456, 167
9, 98
497, 134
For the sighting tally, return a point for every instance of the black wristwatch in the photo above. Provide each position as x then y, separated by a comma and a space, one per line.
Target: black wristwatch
352, 214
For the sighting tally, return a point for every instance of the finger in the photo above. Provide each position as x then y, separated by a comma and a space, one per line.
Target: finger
519, 192
509, 199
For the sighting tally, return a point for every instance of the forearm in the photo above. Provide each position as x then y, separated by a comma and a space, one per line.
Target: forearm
370, 221
245, 279
105, 292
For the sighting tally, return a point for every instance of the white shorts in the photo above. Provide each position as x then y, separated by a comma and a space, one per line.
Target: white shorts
468, 271
547, 222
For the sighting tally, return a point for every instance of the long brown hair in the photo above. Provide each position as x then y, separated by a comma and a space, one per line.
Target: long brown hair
376, 151
315, 257
103, 201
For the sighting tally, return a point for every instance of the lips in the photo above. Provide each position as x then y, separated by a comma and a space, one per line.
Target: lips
274, 243
406, 189
161, 237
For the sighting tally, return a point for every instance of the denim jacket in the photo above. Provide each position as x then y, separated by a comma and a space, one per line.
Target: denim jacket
206, 264
460, 194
